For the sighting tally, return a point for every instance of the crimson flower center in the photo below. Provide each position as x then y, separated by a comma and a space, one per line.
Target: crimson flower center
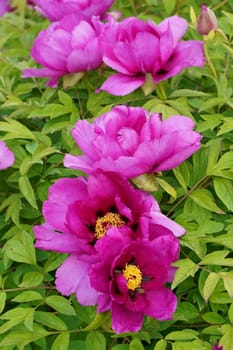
133, 276
104, 223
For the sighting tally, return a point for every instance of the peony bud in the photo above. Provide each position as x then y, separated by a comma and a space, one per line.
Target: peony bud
207, 21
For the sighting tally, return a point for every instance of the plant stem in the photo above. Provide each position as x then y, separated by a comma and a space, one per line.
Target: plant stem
201, 181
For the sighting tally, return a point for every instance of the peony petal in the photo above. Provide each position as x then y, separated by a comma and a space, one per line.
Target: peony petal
72, 277
82, 163
61, 194
121, 85
6, 156
48, 239
124, 320
160, 219
162, 304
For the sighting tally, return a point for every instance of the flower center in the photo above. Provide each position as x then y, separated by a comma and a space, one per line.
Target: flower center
106, 222
133, 275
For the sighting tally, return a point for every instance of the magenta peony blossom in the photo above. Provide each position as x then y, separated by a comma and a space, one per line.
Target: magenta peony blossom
55, 10
217, 347
66, 47
146, 53
4, 7
130, 280
128, 141
6, 156
79, 213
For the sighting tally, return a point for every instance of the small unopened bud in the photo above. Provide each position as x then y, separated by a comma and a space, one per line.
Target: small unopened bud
207, 21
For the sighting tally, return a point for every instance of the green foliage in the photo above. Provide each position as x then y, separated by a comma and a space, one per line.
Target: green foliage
36, 121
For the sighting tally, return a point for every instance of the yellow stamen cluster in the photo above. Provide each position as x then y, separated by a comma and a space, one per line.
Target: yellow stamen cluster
107, 221
133, 275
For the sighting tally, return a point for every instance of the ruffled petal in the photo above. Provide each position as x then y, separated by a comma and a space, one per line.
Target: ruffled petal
121, 85
124, 320
162, 304
72, 277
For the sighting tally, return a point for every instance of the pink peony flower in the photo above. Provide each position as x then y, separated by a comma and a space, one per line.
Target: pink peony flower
6, 156
146, 53
4, 7
80, 212
128, 141
130, 280
66, 47
55, 10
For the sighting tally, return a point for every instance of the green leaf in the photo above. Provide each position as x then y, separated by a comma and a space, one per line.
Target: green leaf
215, 258
227, 278
27, 191
182, 175
185, 312
213, 318
169, 6
185, 334
227, 339
136, 344
210, 284
224, 163
28, 321
224, 190
205, 200
27, 296
161, 345
15, 130
61, 342
21, 249
226, 127
230, 313
31, 279
50, 320
121, 347
95, 340
22, 338
185, 269
166, 187
3, 298
60, 304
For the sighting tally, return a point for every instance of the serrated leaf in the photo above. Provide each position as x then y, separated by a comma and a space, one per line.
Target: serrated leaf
205, 200
224, 191
210, 284
27, 191
60, 304
61, 342
186, 268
